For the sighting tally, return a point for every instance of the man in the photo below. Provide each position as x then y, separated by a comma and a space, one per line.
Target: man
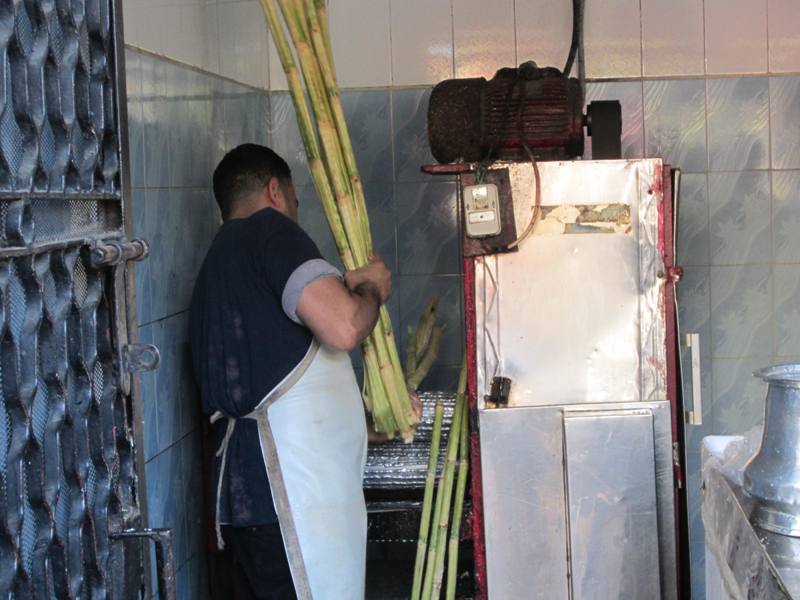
270, 326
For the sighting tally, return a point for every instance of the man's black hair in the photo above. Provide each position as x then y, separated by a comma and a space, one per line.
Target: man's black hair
245, 171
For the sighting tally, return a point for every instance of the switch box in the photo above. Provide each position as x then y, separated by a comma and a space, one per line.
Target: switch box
482, 210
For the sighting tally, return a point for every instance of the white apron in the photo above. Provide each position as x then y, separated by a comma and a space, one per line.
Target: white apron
314, 444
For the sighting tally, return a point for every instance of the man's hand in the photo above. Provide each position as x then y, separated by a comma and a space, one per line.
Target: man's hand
375, 274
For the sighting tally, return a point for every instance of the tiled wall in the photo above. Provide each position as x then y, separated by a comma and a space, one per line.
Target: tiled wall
713, 86
181, 120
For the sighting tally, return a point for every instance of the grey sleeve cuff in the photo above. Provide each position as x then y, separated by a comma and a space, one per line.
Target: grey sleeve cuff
309, 271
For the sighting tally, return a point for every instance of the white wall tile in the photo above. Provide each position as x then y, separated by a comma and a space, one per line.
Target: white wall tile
360, 40
484, 37
143, 24
212, 33
544, 32
784, 35
277, 78
736, 36
612, 39
243, 43
422, 41
188, 38
672, 37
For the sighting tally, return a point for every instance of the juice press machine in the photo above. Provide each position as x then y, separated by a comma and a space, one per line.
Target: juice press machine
573, 373
576, 417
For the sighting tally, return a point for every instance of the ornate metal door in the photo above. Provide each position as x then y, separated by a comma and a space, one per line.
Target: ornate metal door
69, 493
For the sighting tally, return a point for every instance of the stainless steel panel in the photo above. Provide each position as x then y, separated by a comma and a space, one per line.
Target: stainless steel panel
523, 483
577, 317
525, 504
613, 521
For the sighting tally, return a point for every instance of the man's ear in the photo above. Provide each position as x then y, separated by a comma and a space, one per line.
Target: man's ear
274, 194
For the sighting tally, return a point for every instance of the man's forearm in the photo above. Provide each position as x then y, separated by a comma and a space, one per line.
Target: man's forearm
367, 310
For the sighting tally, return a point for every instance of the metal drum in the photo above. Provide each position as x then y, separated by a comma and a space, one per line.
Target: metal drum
772, 476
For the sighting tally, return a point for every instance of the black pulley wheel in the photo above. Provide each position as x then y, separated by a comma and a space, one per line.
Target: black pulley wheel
604, 126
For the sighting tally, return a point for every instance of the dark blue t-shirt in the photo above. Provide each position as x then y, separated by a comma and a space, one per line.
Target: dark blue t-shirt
243, 344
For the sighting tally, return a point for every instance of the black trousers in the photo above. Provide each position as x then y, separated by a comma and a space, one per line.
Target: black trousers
260, 567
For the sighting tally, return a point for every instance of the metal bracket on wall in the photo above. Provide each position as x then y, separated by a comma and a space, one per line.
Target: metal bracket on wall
165, 565
113, 252
140, 358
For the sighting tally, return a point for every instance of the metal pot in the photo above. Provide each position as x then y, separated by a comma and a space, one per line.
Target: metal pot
772, 476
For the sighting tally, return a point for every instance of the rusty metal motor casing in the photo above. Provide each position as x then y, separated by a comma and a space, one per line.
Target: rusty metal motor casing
475, 119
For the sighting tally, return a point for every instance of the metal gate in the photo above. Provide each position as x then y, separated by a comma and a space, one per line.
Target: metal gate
69, 494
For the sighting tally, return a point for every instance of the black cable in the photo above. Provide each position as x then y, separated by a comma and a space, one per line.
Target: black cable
577, 32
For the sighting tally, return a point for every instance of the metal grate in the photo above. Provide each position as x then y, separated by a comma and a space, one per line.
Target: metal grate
67, 473
58, 131
65, 444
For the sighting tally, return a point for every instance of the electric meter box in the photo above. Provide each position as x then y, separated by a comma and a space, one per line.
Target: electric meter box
481, 210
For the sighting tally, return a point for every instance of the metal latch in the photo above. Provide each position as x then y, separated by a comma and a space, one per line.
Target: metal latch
113, 252
140, 358
165, 564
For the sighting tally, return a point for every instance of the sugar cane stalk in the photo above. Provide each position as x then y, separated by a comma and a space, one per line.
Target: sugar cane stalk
335, 175
427, 501
437, 565
424, 366
458, 511
438, 538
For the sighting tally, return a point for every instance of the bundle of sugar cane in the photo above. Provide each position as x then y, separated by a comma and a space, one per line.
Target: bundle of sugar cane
423, 345
433, 540
335, 174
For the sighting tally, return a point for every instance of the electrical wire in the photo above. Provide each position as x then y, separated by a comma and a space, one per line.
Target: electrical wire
537, 179
577, 26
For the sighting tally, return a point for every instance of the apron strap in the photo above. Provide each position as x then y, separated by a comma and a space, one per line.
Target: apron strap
278, 391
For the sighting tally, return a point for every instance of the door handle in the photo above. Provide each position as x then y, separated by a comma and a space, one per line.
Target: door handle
695, 416
165, 564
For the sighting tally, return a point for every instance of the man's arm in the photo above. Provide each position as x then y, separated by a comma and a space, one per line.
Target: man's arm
340, 317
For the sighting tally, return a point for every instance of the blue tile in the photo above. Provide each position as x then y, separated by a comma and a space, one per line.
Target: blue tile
181, 225
738, 402
414, 292
698, 570
738, 123
740, 223
787, 310
142, 273
217, 99
368, 121
133, 76
149, 399
155, 111
286, 139
629, 94
693, 235
189, 115
246, 116
741, 311
410, 126
694, 482
166, 401
312, 219
675, 122
785, 116
381, 210
427, 230
696, 433
156, 483
786, 216
694, 305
